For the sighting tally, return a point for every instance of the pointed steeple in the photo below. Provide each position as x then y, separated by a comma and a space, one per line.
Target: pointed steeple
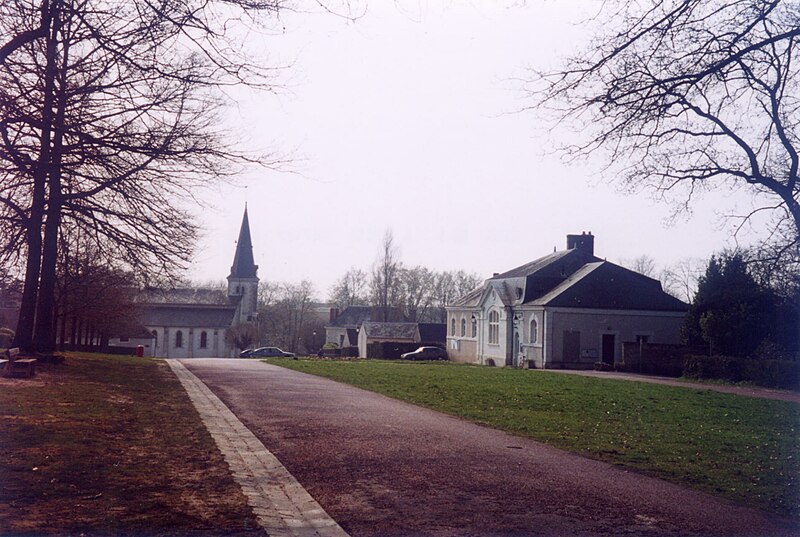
243, 264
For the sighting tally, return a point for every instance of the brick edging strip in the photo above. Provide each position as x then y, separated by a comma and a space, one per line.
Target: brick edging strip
281, 505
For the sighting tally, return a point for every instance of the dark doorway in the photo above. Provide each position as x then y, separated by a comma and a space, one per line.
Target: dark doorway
572, 346
608, 348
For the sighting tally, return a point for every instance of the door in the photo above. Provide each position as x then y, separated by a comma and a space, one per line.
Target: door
609, 343
572, 346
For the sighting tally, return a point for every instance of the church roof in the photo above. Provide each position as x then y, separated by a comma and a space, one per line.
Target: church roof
184, 295
243, 264
188, 316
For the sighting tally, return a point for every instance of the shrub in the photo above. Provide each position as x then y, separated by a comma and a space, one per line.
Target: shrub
602, 366
768, 373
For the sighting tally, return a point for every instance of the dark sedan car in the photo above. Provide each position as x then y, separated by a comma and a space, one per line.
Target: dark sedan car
425, 353
268, 352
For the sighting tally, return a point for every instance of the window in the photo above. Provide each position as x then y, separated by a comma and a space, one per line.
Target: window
474, 327
463, 327
203, 340
533, 336
453, 326
494, 327
178, 339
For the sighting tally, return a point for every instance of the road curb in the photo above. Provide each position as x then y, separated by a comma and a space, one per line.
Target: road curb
281, 504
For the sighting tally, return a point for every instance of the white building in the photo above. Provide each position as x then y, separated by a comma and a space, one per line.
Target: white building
191, 322
568, 309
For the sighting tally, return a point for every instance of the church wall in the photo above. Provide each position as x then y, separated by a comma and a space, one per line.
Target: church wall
191, 342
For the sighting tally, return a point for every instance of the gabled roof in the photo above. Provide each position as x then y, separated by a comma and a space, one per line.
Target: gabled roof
471, 299
243, 264
352, 336
187, 316
432, 332
575, 278
354, 316
390, 330
604, 285
184, 295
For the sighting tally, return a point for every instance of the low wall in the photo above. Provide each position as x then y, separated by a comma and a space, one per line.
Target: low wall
657, 358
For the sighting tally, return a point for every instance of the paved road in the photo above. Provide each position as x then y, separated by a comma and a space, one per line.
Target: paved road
383, 467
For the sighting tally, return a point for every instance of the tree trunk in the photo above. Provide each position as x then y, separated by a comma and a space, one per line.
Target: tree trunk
44, 334
25, 326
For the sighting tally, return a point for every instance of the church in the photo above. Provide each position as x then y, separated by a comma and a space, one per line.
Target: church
191, 322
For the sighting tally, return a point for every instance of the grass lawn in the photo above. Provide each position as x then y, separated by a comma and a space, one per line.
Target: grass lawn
742, 448
108, 445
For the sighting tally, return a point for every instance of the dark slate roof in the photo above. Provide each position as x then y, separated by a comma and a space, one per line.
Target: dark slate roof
354, 316
432, 332
243, 264
471, 299
352, 335
390, 330
189, 316
604, 285
184, 295
575, 278
569, 260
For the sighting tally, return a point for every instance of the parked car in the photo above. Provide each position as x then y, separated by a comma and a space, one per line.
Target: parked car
425, 353
266, 352
246, 353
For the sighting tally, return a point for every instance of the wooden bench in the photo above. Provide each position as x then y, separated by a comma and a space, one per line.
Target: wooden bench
12, 364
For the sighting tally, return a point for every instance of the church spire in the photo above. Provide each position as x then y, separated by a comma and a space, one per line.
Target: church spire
243, 264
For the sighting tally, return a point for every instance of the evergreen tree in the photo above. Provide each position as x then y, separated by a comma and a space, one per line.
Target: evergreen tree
735, 315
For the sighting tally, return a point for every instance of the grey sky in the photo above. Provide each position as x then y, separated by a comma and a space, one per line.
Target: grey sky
406, 119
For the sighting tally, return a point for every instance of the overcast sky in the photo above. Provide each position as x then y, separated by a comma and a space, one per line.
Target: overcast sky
407, 119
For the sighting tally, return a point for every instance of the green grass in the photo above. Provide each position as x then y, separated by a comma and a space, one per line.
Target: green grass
111, 445
745, 449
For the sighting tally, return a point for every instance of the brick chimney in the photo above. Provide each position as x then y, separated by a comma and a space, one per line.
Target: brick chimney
583, 242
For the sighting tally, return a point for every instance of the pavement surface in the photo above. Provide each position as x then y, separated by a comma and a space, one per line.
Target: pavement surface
281, 505
383, 467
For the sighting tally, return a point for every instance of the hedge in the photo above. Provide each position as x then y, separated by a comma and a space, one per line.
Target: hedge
767, 373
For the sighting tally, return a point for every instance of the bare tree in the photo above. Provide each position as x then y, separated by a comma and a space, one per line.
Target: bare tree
681, 278
287, 321
351, 289
417, 291
109, 119
644, 264
385, 284
686, 96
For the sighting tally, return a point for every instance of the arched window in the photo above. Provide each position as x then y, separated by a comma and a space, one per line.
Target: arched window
453, 326
463, 327
494, 327
203, 340
474, 327
178, 339
533, 336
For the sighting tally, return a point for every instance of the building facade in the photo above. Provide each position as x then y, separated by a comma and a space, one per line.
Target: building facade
192, 322
566, 310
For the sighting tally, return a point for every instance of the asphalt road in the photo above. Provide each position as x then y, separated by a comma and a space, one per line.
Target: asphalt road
383, 467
